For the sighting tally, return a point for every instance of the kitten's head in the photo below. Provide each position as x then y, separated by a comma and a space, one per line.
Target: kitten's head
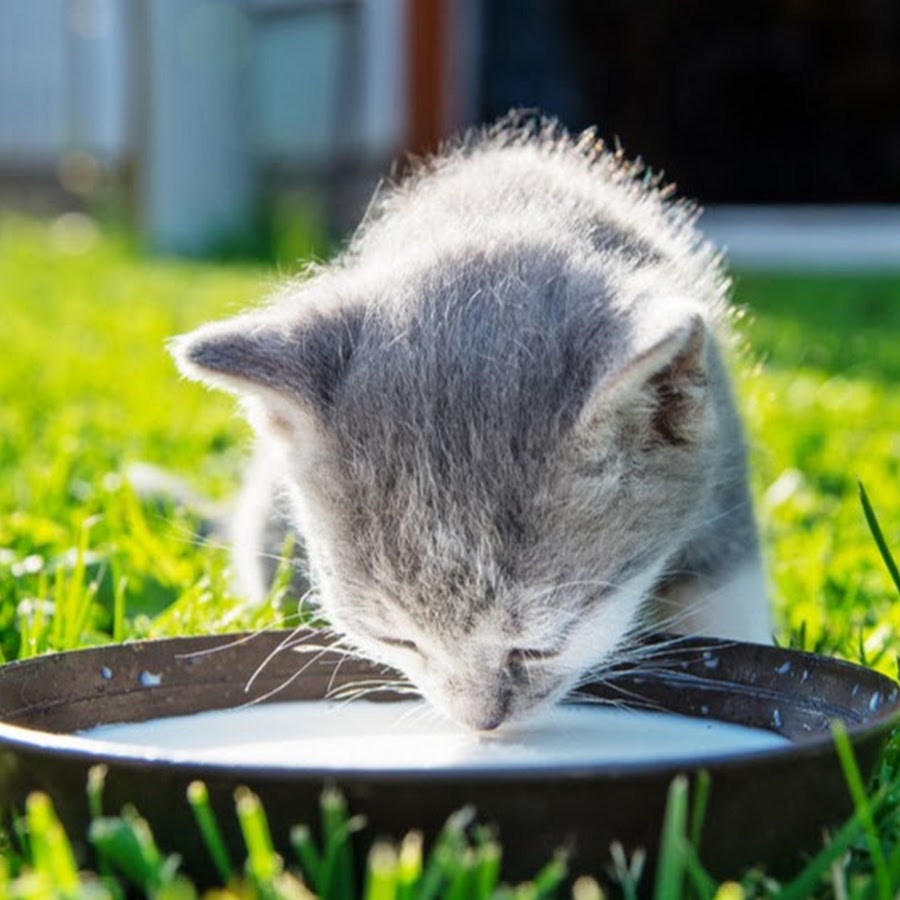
489, 482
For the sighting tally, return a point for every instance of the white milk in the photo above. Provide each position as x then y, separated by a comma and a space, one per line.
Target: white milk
409, 735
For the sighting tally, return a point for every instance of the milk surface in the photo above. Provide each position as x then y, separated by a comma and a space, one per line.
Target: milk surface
410, 735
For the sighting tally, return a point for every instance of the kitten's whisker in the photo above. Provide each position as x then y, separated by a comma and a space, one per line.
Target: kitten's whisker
285, 684
634, 703
334, 673
308, 597
271, 693
346, 695
634, 698
728, 511
188, 536
350, 686
369, 685
413, 714
244, 639
291, 642
352, 696
348, 650
579, 697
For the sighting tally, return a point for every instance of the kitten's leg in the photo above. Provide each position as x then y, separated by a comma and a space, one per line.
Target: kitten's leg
733, 604
718, 584
258, 532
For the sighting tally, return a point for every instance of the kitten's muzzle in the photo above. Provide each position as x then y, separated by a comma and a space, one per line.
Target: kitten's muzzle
487, 717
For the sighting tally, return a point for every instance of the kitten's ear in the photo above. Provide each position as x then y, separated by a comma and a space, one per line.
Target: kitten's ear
661, 391
258, 355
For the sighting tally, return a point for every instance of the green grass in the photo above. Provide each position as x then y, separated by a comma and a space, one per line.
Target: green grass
462, 863
87, 389
823, 414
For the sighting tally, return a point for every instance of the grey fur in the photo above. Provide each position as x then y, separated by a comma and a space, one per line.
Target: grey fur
503, 422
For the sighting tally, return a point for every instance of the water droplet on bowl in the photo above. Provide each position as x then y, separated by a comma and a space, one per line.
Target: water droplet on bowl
784, 668
150, 679
106, 672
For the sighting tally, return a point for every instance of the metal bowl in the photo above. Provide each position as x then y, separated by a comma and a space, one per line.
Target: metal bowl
766, 807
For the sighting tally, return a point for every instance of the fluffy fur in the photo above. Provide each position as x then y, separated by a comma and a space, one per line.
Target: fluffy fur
502, 423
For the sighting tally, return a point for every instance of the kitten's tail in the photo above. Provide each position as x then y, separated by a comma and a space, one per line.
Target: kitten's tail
251, 524
165, 490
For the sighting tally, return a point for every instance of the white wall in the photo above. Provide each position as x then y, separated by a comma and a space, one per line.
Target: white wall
384, 109
196, 172
330, 80
201, 94
63, 79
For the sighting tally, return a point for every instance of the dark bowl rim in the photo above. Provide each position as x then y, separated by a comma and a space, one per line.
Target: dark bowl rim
70, 747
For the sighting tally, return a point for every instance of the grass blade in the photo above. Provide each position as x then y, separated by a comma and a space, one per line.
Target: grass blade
337, 874
381, 873
96, 781
447, 847
730, 890
410, 865
805, 883
863, 809
52, 852
627, 872
198, 797
263, 863
462, 876
698, 807
177, 889
705, 886
304, 847
119, 604
671, 866
127, 845
76, 596
549, 879
877, 533
586, 888
487, 869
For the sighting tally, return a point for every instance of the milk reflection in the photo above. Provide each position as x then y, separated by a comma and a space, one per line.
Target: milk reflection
407, 735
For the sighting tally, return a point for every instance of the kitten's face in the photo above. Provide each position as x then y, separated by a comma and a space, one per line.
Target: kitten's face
495, 598
491, 532
512, 657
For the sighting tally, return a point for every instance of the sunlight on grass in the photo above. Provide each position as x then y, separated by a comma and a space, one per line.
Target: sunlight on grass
90, 389
821, 418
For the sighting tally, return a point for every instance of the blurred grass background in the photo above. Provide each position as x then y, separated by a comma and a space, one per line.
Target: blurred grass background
88, 388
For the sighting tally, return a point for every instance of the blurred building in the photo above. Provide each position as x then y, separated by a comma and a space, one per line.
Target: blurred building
206, 119
207, 113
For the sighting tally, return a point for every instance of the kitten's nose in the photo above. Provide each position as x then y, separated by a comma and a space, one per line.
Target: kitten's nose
489, 723
491, 715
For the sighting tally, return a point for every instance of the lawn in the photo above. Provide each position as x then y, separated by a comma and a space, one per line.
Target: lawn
88, 389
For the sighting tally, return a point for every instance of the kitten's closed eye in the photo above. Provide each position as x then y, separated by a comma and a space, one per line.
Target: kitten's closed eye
402, 643
525, 655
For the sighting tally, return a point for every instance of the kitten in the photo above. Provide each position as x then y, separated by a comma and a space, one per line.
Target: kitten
503, 424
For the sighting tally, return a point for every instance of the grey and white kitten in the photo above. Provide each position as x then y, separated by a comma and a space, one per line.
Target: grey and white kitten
502, 423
